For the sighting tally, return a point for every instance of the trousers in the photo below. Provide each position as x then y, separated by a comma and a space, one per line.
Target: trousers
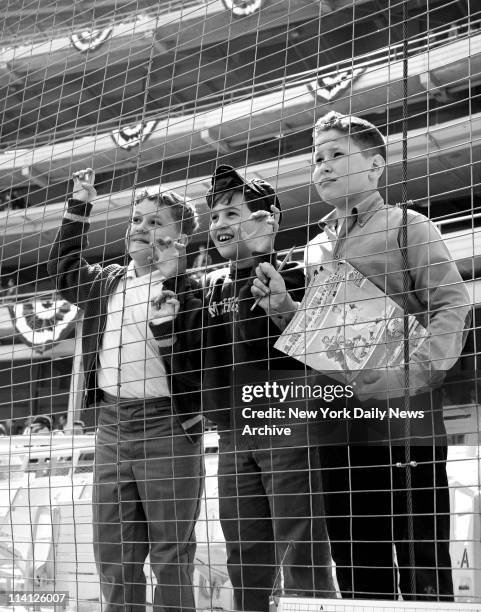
146, 496
368, 516
272, 516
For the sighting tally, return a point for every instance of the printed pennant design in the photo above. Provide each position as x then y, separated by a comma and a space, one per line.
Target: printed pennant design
242, 8
329, 87
130, 137
90, 40
42, 323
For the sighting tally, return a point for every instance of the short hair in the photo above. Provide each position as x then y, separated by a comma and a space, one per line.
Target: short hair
183, 211
363, 132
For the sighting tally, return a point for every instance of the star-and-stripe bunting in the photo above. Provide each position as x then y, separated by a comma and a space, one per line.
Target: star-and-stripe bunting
43, 322
242, 8
328, 87
90, 40
132, 136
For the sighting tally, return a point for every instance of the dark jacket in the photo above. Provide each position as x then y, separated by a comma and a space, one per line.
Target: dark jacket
239, 343
90, 287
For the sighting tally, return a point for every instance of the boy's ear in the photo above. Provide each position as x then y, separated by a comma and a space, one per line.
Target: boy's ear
377, 164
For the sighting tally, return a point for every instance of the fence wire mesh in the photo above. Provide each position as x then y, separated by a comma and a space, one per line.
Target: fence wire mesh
239, 305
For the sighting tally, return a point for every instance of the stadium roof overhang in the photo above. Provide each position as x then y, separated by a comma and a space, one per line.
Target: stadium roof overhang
451, 149
136, 28
366, 86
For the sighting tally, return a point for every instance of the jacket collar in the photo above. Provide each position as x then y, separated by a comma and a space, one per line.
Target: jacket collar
362, 212
130, 270
130, 273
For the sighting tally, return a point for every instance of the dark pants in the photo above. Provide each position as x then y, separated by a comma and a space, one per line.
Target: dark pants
367, 513
147, 486
272, 517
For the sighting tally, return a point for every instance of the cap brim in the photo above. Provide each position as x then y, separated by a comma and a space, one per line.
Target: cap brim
229, 175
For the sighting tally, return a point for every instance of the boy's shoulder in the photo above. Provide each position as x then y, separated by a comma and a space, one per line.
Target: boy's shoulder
390, 218
395, 211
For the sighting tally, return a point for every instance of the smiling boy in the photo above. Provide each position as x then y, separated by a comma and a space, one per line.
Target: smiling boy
270, 507
142, 376
365, 482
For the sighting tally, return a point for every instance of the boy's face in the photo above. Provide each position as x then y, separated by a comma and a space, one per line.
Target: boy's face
151, 224
227, 220
343, 175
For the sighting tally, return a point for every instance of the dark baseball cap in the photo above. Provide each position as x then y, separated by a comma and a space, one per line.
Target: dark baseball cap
258, 191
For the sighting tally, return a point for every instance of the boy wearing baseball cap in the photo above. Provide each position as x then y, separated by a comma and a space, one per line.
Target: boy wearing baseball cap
270, 510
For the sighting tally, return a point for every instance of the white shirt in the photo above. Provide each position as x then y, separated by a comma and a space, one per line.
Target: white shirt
129, 354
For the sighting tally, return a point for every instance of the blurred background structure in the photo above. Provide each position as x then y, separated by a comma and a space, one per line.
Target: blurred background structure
148, 92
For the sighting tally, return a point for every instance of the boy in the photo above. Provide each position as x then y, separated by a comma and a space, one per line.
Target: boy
367, 504
270, 509
141, 372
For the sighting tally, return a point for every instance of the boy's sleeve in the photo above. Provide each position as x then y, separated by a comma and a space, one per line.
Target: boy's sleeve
74, 275
255, 325
180, 338
439, 288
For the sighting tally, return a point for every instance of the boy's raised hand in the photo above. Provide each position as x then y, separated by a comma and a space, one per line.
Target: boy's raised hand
168, 256
163, 307
83, 185
270, 287
259, 232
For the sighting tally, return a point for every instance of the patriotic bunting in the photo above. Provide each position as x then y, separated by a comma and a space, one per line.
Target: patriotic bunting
90, 40
242, 8
329, 87
43, 322
130, 137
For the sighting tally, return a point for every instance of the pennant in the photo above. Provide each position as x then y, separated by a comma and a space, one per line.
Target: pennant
43, 322
90, 40
130, 137
328, 87
242, 8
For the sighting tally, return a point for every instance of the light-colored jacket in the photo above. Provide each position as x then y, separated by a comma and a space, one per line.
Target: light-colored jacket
370, 239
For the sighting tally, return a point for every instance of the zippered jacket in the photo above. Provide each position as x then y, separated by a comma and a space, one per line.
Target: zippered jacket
239, 342
90, 286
